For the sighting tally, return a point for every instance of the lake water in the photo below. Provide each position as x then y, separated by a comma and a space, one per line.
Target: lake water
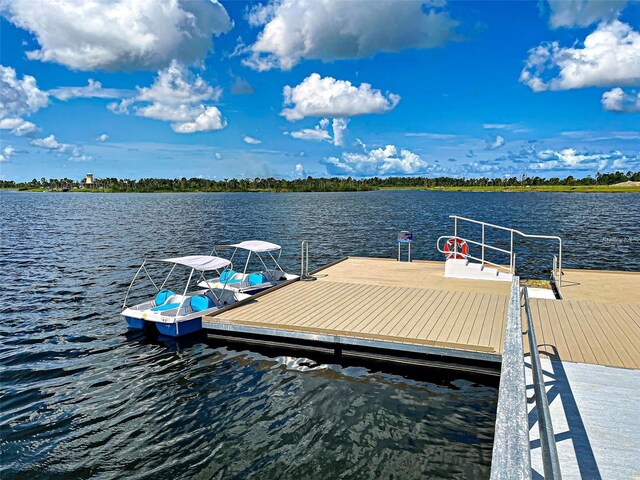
81, 397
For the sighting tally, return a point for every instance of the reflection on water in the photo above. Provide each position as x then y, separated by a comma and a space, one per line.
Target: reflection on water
82, 397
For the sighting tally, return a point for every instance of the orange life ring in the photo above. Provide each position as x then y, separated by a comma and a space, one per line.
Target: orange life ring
463, 248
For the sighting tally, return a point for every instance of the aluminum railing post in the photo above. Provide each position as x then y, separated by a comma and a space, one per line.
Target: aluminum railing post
511, 255
482, 245
455, 235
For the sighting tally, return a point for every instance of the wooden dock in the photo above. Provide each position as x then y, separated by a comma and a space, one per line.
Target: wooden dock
403, 306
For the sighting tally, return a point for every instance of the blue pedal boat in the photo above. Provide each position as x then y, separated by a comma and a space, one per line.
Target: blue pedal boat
175, 314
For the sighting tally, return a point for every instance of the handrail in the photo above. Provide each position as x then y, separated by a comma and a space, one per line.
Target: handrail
557, 270
466, 256
550, 461
511, 458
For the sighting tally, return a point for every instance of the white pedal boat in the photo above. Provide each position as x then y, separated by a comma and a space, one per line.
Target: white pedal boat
250, 281
175, 314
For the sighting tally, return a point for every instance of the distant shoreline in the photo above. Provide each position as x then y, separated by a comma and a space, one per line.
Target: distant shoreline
476, 189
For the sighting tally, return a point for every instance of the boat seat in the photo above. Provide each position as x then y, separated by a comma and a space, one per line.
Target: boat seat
257, 278
166, 306
225, 277
201, 302
162, 296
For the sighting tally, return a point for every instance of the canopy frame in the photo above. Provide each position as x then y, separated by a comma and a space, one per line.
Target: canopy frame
174, 264
240, 246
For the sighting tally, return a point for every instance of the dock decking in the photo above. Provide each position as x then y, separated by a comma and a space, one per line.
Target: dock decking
401, 304
408, 305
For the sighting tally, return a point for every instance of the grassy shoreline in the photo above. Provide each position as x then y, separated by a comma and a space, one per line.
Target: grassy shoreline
530, 188
541, 188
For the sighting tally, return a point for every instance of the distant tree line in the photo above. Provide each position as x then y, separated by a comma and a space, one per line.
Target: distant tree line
309, 184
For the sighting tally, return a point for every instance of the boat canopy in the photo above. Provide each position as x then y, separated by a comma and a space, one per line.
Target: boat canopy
256, 246
202, 263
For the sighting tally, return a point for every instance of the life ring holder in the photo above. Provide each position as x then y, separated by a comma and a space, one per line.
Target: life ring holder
450, 248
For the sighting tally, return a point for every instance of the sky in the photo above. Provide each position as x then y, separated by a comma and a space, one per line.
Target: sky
291, 88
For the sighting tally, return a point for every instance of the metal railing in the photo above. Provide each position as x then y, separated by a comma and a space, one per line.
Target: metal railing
511, 458
304, 259
550, 460
557, 266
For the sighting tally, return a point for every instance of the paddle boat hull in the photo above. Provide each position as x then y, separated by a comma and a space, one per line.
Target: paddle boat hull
176, 329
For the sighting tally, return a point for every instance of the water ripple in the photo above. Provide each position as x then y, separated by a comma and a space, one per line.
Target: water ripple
80, 397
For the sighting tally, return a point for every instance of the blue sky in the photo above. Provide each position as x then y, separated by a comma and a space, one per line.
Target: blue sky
299, 87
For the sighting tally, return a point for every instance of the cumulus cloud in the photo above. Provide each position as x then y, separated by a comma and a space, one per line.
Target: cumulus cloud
176, 96
339, 126
320, 133
50, 143
328, 97
571, 159
582, 13
495, 144
378, 162
300, 172
334, 29
119, 35
92, 90
610, 57
7, 153
619, 101
19, 97
251, 140
18, 126
102, 137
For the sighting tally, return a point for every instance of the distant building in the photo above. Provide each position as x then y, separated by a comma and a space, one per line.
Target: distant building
89, 180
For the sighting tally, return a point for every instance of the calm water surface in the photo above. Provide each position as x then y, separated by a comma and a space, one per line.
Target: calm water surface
81, 397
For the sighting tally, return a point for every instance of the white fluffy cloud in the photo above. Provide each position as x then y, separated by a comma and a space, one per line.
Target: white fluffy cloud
300, 172
7, 153
339, 126
176, 96
102, 137
335, 29
378, 162
571, 159
582, 13
92, 90
50, 143
76, 154
251, 140
619, 101
19, 97
320, 133
18, 126
610, 57
120, 34
497, 143
328, 97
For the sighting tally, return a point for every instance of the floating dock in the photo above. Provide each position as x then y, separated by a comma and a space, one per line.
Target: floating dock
405, 306
589, 342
